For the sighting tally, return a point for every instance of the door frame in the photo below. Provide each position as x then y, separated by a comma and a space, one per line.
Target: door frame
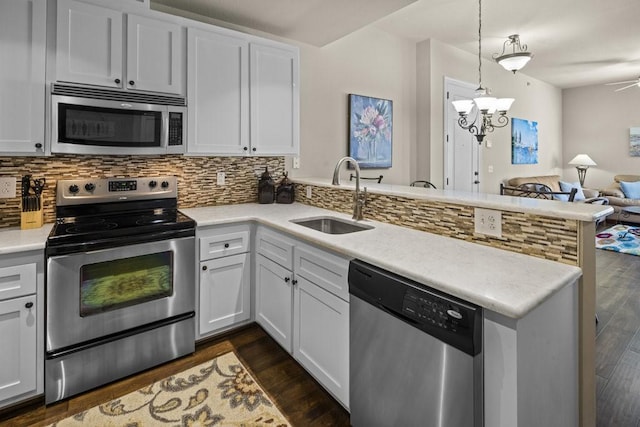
448, 167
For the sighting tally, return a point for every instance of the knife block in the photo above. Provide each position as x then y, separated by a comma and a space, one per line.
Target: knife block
32, 219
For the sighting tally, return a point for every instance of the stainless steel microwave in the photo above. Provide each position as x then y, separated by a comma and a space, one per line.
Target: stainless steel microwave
101, 121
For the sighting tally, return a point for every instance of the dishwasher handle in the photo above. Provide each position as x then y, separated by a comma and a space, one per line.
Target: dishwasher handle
397, 314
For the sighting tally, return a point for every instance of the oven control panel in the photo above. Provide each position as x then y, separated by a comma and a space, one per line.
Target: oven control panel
99, 190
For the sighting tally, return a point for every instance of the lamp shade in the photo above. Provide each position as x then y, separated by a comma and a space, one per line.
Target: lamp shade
514, 61
503, 104
486, 103
582, 160
463, 106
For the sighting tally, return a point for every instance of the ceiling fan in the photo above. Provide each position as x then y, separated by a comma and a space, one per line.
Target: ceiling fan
635, 82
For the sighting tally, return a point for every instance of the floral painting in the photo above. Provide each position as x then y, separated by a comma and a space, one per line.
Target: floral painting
634, 142
524, 142
370, 131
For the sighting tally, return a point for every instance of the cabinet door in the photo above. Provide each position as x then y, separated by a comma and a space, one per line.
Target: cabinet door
22, 55
321, 337
18, 349
274, 100
89, 44
274, 300
154, 55
225, 292
218, 92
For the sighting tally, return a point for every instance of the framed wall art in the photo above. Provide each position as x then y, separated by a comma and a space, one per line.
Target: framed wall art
370, 131
634, 142
524, 142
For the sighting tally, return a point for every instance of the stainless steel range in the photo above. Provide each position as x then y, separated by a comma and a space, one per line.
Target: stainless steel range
120, 282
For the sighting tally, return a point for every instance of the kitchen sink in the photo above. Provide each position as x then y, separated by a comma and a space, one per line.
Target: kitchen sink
331, 225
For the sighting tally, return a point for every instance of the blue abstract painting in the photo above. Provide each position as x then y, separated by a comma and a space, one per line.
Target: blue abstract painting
524, 142
370, 131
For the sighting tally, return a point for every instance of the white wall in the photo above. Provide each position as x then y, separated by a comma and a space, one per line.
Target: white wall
368, 62
596, 122
534, 100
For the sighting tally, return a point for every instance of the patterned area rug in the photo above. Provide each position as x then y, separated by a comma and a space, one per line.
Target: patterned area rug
220, 392
620, 238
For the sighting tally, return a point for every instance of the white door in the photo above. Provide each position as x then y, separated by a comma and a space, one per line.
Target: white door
154, 55
275, 100
274, 300
321, 336
225, 292
462, 150
89, 44
218, 92
18, 349
22, 55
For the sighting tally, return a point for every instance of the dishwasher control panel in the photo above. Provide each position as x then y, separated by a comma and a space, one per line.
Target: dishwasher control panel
429, 309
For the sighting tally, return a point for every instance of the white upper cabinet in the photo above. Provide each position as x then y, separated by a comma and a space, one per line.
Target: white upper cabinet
88, 44
218, 93
22, 76
274, 100
243, 96
154, 55
89, 49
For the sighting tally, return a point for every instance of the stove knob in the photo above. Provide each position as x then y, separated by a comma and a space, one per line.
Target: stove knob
89, 187
165, 184
153, 184
73, 189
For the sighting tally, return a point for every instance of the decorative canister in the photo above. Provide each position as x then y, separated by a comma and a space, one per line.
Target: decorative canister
266, 187
284, 194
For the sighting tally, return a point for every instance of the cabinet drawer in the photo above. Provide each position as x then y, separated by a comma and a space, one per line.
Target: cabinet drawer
322, 268
224, 244
17, 280
275, 246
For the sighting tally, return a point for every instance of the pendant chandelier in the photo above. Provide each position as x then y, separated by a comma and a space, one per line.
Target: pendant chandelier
485, 105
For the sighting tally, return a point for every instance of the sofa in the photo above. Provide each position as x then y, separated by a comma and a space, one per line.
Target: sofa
553, 182
617, 198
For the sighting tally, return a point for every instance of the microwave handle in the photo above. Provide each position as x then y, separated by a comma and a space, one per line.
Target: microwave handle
164, 136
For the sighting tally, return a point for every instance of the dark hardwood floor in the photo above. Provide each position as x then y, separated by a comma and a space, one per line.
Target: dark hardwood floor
295, 392
618, 339
305, 403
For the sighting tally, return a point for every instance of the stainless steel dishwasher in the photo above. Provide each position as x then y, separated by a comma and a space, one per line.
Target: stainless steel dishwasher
415, 353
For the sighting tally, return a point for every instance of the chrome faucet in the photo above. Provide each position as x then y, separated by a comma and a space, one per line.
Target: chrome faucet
359, 198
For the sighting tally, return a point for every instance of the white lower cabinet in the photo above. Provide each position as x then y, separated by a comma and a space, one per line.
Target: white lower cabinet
224, 297
18, 350
225, 292
301, 303
274, 300
321, 336
21, 326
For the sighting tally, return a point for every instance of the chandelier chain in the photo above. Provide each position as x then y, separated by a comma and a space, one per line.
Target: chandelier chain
480, 43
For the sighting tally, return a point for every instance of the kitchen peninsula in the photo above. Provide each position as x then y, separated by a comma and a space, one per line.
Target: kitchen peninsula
520, 293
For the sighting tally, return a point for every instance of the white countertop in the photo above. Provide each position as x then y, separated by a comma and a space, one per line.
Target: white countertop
505, 282
551, 208
14, 239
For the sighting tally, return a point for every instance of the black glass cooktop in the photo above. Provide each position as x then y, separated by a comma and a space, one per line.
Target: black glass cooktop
118, 227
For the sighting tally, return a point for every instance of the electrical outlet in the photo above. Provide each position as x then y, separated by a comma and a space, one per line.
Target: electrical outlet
488, 222
220, 177
7, 188
296, 163
490, 169
308, 191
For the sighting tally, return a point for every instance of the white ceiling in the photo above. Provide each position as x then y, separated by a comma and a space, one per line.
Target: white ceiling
574, 42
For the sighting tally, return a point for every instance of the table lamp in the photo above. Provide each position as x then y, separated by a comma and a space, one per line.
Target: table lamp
582, 163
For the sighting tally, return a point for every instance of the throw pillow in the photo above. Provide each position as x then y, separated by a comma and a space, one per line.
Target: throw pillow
631, 190
566, 187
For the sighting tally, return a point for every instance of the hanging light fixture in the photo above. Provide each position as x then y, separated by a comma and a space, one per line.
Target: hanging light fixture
515, 60
485, 105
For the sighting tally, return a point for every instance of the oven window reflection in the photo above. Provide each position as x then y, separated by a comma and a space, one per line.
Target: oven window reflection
111, 285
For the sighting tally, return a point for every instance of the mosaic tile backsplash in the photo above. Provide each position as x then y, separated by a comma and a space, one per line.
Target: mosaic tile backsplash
550, 238
196, 177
